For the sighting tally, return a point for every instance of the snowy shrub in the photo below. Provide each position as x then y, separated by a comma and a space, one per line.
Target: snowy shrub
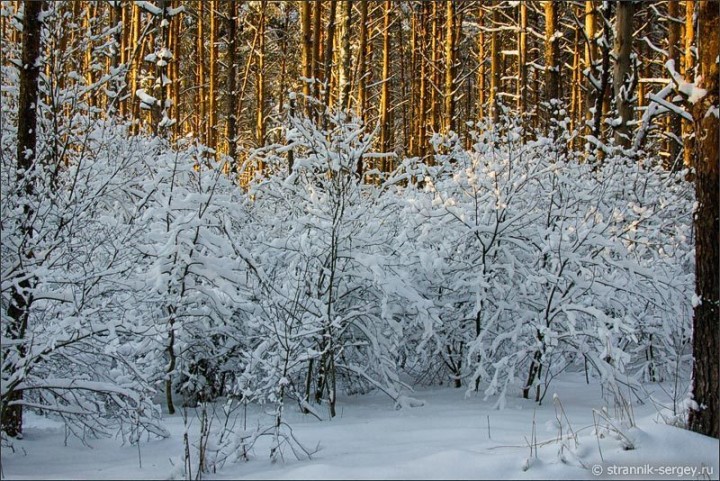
195, 280
537, 262
335, 293
74, 261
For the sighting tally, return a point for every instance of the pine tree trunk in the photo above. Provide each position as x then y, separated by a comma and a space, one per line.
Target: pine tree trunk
674, 122
344, 76
135, 68
305, 20
231, 115
435, 68
212, 74
449, 89
200, 73
706, 335
689, 66
591, 56
522, 60
328, 63
260, 79
552, 83
622, 71
175, 73
495, 65
481, 65
362, 60
316, 60
422, 88
384, 89
11, 415
125, 56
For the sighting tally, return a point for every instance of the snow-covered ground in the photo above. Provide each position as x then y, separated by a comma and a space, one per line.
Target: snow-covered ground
451, 437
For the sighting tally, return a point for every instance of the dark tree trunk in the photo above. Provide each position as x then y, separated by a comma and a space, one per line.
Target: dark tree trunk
622, 75
706, 337
552, 52
231, 121
11, 414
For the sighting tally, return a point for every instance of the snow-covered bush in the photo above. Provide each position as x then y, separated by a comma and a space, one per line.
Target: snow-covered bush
195, 278
336, 294
537, 262
74, 259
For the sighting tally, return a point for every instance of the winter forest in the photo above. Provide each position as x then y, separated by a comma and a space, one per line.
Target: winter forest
386, 239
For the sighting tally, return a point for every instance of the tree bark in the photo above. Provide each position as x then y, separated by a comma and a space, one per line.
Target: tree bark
522, 60
11, 415
481, 64
384, 89
422, 88
344, 76
231, 115
212, 74
623, 72
174, 72
551, 58
706, 336
434, 67
495, 64
316, 60
674, 122
329, 43
260, 78
200, 73
689, 67
591, 55
305, 20
449, 65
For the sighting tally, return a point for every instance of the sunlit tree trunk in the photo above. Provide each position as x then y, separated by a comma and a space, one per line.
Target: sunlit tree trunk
88, 60
307, 58
551, 58
344, 75
212, 74
495, 64
328, 52
135, 67
522, 60
200, 73
591, 56
260, 78
127, 9
362, 61
689, 64
481, 64
423, 87
385, 87
449, 90
434, 68
576, 89
175, 41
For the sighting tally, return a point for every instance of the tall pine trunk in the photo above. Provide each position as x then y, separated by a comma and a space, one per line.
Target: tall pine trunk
706, 336
11, 414
622, 73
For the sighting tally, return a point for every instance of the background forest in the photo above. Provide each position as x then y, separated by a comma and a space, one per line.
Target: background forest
278, 202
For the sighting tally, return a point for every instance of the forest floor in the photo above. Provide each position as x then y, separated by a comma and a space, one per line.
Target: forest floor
450, 437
